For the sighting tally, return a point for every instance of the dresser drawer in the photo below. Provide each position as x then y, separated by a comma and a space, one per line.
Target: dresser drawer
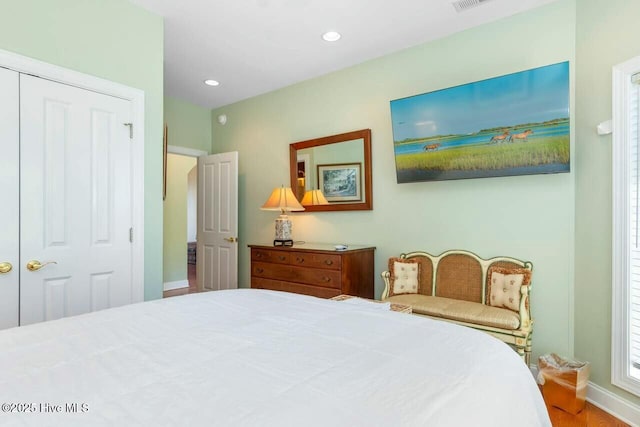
290, 273
275, 285
265, 255
316, 260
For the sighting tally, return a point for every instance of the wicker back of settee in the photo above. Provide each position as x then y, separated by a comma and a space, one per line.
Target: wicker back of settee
458, 274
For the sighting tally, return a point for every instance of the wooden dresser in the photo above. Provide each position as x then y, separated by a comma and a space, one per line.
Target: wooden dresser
313, 269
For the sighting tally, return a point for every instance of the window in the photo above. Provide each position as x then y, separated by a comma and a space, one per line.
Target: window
626, 227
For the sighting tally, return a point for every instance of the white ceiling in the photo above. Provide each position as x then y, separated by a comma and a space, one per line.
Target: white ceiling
256, 46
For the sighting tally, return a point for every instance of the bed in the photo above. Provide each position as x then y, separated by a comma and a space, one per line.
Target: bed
252, 357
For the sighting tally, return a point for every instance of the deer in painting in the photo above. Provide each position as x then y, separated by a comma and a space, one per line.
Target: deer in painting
431, 147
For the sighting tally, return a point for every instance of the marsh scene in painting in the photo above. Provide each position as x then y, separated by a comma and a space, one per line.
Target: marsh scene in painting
517, 124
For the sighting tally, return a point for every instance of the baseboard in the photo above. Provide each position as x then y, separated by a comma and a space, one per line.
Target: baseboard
178, 284
613, 404
609, 402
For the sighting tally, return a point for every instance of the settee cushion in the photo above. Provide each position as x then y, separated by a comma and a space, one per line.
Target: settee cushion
404, 276
463, 311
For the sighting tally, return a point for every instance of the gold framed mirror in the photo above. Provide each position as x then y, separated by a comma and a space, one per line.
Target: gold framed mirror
337, 165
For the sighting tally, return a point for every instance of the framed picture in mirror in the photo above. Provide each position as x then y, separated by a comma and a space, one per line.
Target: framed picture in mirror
340, 182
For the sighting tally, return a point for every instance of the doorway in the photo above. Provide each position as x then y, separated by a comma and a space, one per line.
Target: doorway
216, 253
180, 222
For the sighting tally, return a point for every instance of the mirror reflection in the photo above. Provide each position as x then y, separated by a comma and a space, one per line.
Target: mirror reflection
333, 173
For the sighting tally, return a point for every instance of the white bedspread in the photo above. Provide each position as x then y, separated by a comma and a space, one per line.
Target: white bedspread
261, 358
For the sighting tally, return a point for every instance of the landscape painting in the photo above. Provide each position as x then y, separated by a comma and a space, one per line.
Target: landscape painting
516, 124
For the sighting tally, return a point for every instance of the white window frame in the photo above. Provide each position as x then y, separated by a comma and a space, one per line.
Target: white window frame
620, 342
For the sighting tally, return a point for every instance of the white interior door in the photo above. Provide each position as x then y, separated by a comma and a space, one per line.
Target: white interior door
9, 204
75, 177
217, 249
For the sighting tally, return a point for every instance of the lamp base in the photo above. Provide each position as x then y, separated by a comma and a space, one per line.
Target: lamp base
287, 242
283, 228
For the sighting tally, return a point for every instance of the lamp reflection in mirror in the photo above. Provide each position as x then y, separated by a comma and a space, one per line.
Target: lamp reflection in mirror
301, 185
314, 198
283, 200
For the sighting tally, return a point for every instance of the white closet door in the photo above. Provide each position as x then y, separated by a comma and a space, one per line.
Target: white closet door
9, 202
217, 235
75, 156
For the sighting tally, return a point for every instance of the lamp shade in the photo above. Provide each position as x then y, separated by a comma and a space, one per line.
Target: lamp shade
283, 200
314, 197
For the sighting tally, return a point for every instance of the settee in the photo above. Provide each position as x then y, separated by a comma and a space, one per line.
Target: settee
491, 295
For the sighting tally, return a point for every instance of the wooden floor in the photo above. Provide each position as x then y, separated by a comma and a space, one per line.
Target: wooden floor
192, 289
591, 416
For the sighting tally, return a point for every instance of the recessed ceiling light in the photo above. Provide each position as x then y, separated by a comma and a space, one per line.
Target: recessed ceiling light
331, 36
210, 82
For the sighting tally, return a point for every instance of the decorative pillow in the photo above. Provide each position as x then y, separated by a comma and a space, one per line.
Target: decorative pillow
404, 275
504, 284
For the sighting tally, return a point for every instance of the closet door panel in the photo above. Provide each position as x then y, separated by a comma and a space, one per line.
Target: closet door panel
9, 205
76, 204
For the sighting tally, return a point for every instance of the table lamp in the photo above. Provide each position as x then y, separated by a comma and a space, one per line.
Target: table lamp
314, 198
283, 200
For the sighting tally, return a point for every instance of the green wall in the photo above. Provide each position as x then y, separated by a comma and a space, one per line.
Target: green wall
114, 40
175, 218
607, 34
188, 125
528, 217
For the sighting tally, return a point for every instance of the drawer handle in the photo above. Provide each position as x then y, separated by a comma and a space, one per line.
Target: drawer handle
259, 255
326, 279
300, 260
259, 270
282, 257
328, 262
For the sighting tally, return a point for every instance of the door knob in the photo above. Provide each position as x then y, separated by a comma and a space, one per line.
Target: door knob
231, 239
5, 267
35, 265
